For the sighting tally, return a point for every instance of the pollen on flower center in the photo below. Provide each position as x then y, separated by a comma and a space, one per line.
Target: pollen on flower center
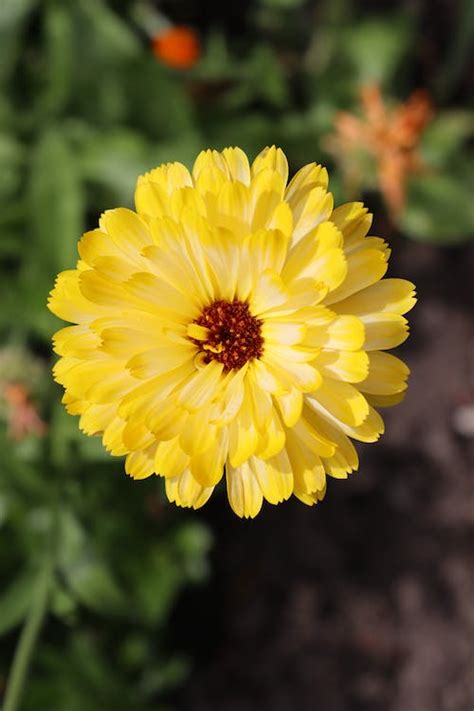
229, 333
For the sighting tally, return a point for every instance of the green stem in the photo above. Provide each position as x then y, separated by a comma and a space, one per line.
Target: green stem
28, 639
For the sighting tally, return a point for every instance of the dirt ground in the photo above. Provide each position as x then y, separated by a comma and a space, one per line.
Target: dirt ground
365, 602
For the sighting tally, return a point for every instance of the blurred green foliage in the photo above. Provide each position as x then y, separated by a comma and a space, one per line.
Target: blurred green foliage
84, 108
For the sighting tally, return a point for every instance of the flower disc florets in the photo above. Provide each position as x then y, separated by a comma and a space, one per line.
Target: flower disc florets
235, 323
230, 334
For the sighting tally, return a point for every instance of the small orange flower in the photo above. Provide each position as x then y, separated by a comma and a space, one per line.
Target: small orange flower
177, 47
23, 418
391, 137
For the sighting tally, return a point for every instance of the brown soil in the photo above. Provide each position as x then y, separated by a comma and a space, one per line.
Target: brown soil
365, 602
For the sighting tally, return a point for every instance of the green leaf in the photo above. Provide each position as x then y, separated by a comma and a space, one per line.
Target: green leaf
445, 135
87, 575
158, 102
13, 13
108, 31
375, 47
63, 604
11, 161
94, 585
456, 59
115, 159
59, 40
55, 201
217, 62
55, 204
260, 78
16, 599
157, 580
439, 210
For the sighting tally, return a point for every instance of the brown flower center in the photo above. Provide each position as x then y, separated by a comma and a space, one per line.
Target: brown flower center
234, 335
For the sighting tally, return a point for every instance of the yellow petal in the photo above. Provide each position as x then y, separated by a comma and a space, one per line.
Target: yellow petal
313, 440
198, 433
272, 440
267, 250
291, 405
94, 418
384, 330
369, 431
269, 292
392, 295
343, 333
387, 374
344, 460
150, 199
342, 400
233, 209
77, 341
238, 164
364, 268
155, 190
354, 221
310, 210
207, 466
139, 465
301, 261
112, 437
311, 499
308, 470
170, 460
146, 396
304, 180
136, 436
185, 491
283, 332
97, 243
274, 476
123, 342
101, 291
201, 387
243, 435
386, 400
127, 230
231, 398
268, 379
68, 302
267, 192
162, 359
243, 490
291, 373
169, 176
273, 158
158, 297
350, 366
209, 160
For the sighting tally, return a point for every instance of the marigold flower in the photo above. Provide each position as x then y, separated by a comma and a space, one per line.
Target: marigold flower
22, 416
21, 380
390, 136
233, 322
177, 47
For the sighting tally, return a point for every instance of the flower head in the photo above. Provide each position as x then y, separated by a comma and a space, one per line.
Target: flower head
233, 323
22, 416
21, 376
177, 46
390, 137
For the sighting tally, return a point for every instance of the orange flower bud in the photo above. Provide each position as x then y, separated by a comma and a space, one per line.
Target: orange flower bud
177, 47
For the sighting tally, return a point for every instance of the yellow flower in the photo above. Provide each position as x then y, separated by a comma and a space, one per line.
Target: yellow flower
233, 323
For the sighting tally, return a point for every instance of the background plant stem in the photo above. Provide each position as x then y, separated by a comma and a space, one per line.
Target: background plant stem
28, 638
